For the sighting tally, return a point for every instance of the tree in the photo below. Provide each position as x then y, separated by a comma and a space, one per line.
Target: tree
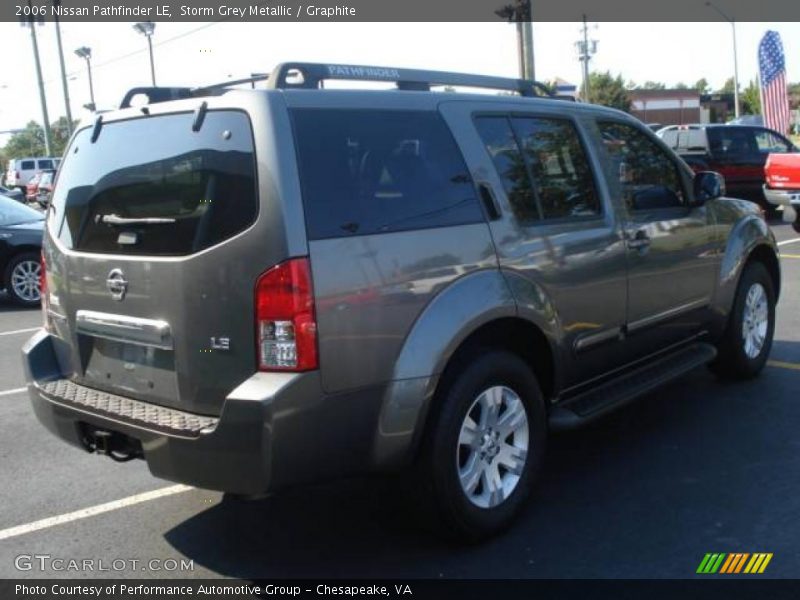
751, 99
680, 86
608, 90
727, 88
653, 85
30, 141
702, 86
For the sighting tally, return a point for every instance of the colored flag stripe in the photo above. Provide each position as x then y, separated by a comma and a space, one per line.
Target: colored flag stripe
756, 558
716, 564
765, 563
727, 564
741, 562
703, 563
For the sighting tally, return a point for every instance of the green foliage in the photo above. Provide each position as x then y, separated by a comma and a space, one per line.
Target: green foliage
30, 141
608, 90
702, 86
653, 85
727, 88
750, 99
681, 86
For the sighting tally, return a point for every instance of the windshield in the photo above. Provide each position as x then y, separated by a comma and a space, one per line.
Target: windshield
13, 213
154, 186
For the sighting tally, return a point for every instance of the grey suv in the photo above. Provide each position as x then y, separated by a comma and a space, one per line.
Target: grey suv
254, 289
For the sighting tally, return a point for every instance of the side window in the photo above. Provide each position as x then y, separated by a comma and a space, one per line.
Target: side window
770, 142
670, 137
649, 179
502, 146
376, 171
543, 166
28, 165
733, 144
45, 165
562, 177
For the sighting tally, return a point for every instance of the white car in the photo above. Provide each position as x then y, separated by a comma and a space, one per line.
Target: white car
21, 170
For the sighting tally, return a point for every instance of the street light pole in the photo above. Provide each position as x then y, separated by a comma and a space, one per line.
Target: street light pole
86, 53
147, 28
585, 52
520, 13
48, 145
56, 4
735, 57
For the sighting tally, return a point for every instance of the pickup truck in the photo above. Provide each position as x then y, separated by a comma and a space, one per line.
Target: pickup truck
737, 152
782, 185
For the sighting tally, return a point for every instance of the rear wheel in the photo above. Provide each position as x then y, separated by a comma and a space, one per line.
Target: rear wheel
486, 445
22, 279
743, 350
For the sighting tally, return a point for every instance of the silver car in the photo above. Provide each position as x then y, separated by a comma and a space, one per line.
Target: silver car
254, 289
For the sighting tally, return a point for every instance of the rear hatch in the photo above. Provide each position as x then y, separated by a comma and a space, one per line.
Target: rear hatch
152, 257
783, 171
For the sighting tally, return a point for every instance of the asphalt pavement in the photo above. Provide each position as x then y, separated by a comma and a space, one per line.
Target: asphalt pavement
696, 467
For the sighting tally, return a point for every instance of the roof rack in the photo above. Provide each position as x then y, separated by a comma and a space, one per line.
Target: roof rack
164, 94
297, 75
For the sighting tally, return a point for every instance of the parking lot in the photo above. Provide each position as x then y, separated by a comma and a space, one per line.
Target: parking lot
696, 467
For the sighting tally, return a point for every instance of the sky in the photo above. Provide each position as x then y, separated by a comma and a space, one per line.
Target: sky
202, 53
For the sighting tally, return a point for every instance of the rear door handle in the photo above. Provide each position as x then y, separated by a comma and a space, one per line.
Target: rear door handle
489, 202
639, 241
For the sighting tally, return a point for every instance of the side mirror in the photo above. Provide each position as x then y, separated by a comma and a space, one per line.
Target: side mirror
708, 185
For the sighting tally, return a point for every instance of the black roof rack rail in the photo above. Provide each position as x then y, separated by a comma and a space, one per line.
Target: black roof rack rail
311, 75
165, 94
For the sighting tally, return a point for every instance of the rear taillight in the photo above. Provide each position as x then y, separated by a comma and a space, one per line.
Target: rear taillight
43, 293
286, 329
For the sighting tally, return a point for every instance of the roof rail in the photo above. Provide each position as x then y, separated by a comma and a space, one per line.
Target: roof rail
311, 75
164, 94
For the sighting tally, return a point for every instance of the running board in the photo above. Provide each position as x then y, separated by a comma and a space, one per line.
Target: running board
600, 400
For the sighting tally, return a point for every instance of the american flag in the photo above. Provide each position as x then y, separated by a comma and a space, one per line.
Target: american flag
772, 71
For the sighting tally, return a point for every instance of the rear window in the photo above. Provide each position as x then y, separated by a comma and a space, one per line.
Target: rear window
45, 164
27, 165
377, 171
153, 186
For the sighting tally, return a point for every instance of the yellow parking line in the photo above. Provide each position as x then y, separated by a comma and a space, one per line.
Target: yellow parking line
784, 365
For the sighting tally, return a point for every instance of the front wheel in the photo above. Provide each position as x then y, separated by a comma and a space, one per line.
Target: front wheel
486, 445
746, 344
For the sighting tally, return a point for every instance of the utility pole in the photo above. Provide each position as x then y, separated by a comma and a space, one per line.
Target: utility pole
586, 50
48, 145
521, 14
147, 28
735, 56
56, 4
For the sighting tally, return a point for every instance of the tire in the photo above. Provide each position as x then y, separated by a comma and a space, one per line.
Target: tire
490, 378
744, 348
21, 273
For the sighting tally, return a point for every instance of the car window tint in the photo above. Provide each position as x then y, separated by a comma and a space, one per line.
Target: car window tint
562, 177
501, 145
648, 178
45, 164
376, 171
771, 142
154, 186
733, 143
28, 165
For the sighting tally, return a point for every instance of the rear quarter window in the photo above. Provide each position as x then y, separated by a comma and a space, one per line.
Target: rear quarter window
377, 171
153, 186
27, 165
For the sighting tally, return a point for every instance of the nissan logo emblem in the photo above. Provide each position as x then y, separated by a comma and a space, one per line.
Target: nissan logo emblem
116, 284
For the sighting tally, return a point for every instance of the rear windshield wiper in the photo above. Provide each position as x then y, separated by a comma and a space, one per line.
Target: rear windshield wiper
113, 219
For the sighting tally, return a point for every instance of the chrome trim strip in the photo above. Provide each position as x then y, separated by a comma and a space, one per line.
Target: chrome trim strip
587, 341
121, 328
667, 314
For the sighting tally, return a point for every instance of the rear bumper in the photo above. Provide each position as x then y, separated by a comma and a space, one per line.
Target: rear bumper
275, 429
782, 197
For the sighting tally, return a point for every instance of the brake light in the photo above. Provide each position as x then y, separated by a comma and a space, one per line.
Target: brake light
43, 293
286, 327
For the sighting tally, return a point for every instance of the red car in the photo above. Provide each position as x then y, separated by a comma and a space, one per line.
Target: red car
782, 185
42, 179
